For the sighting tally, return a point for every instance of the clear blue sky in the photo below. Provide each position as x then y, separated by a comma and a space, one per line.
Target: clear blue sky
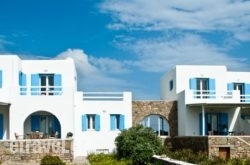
128, 45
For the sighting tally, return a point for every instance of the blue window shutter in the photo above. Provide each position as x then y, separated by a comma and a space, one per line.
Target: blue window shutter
35, 123
112, 122
22, 83
122, 122
84, 123
230, 86
192, 83
211, 88
1, 79
247, 93
57, 84
247, 89
97, 122
211, 84
35, 84
1, 126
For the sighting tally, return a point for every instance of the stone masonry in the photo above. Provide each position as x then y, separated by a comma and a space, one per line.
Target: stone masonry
31, 151
168, 110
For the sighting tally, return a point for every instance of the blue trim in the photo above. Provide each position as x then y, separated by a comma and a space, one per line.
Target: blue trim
35, 84
1, 126
1, 79
97, 122
84, 123
122, 122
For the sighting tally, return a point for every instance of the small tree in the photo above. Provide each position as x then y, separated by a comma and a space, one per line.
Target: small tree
139, 144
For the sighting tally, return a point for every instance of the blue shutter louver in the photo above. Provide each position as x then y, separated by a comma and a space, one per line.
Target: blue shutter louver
112, 122
84, 123
97, 122
122, 122
35, 84
57, 84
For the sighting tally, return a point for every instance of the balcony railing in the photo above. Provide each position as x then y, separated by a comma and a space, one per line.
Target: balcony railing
103, 96
41, 90
211, 96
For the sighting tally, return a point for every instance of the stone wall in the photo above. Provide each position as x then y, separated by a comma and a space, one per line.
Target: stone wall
233, 146
168, 110
33, 150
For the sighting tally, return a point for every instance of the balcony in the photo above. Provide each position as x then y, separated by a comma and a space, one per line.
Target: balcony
40, 90
106, 96
215, 97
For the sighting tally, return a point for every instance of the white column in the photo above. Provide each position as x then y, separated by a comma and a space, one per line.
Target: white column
203, 120
232, 124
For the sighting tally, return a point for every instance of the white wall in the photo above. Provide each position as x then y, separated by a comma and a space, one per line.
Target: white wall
86, 142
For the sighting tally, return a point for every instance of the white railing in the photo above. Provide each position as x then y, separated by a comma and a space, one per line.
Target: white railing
212, 96
40, 90
103, 96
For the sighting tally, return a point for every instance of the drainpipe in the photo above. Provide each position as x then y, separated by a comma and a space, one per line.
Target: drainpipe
203, 120
232, 124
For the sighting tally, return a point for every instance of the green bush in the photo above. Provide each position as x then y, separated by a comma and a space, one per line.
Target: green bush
51, 160
139, 144
107, 159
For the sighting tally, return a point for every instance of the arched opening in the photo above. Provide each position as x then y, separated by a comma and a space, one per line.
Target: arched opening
44, 123
158, 123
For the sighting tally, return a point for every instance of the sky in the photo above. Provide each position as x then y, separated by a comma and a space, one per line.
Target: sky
128, 45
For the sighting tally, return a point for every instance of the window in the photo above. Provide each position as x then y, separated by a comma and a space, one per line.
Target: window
46, 84
171, 85
116, 122
91, 122
22, 83
158, 123
1, 77
203, 87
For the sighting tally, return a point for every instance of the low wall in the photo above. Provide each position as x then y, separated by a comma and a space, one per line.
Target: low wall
196, 143
218, 146
33, 150
229, 146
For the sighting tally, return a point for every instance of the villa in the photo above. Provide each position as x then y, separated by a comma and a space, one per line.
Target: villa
207, 107
39, 99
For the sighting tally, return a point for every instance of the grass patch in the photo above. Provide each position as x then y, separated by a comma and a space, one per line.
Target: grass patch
107, 159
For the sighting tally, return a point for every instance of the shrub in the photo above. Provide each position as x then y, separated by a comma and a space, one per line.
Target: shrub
139, 144
51, 160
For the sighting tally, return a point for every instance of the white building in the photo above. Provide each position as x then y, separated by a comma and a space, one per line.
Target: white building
41, 96
210, 99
